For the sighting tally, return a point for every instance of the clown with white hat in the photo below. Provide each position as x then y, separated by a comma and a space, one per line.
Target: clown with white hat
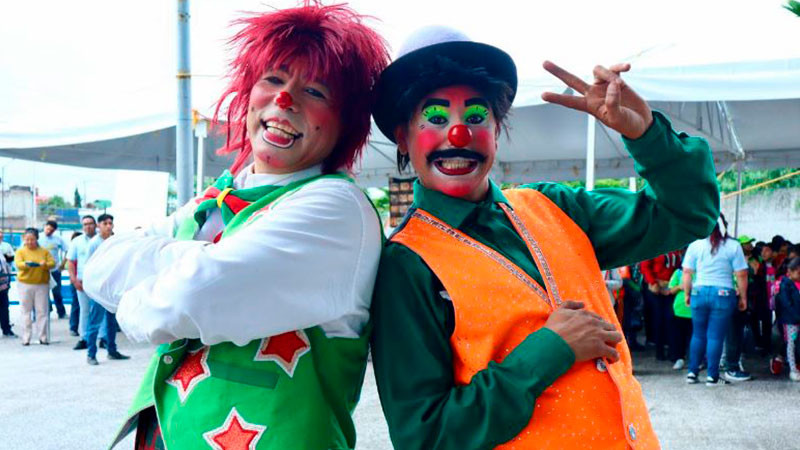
492, 323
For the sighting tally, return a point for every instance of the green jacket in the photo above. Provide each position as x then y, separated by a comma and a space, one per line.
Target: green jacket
412, 356
294, 390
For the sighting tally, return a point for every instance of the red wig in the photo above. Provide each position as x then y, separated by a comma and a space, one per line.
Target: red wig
348, 55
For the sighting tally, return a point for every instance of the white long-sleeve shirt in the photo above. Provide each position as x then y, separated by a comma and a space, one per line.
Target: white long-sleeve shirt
311, 260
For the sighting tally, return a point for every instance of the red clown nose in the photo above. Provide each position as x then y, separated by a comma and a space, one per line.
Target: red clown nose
284, 100
459, 135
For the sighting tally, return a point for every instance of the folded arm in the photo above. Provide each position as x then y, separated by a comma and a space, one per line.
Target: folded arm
298, 266
413, 364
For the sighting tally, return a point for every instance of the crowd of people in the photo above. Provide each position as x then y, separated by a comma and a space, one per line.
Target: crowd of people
38, 265
702, 306
707, 326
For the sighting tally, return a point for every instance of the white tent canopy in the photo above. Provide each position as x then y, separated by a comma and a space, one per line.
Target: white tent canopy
99, 89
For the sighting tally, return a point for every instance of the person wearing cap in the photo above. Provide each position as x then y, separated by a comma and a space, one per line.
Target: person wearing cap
258, 290
492, 323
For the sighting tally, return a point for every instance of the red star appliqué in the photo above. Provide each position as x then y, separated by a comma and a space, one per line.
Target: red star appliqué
285, 349
192, 370
234, 434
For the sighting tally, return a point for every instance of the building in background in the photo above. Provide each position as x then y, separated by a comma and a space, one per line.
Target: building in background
17, 211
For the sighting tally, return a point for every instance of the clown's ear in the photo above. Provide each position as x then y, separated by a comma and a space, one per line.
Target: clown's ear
400, 135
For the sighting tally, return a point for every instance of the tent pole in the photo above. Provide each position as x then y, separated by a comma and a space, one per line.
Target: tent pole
738, 150
201, 131
590, 130
33, 188
738, 198
183, 130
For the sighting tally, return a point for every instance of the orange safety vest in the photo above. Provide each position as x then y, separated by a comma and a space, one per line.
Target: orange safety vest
595, 404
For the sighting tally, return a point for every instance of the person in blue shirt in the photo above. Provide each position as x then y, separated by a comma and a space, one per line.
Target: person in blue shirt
99, 316
77, 255
715, 260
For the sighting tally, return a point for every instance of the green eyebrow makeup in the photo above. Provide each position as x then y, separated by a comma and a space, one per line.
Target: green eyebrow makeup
433, 111
476, 111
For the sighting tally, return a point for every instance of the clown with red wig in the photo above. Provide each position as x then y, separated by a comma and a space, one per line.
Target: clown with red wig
259, 290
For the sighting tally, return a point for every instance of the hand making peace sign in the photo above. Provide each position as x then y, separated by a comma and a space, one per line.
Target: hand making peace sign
609, 99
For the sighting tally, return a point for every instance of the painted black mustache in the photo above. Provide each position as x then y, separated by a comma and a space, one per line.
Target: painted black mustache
455, 153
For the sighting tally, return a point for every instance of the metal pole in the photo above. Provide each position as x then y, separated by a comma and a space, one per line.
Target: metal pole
183, 130
201, 131
590, 129
3, 187
33, 187
738, 198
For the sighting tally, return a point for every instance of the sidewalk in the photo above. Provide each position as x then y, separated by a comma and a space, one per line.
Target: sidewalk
51, 399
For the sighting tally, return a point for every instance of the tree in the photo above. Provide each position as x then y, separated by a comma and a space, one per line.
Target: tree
793, 6
729, 180
380, 199
77, 199
49, 207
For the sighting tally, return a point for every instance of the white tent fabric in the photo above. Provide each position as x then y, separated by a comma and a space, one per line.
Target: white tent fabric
99, 89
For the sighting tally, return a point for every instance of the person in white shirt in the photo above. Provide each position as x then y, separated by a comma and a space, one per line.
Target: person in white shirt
99, 316
284, 251
6, 249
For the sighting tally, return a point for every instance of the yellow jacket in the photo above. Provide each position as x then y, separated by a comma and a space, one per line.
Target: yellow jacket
34, 275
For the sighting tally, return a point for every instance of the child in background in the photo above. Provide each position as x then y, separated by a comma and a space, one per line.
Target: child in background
682, 325
787, 308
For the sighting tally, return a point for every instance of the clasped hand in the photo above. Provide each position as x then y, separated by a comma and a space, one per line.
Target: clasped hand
587, 334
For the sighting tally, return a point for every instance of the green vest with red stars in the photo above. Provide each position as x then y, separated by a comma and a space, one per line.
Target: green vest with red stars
294, 390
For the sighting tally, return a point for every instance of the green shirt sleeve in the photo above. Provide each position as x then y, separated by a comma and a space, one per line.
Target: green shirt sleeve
679, 203
413, 364
675, 279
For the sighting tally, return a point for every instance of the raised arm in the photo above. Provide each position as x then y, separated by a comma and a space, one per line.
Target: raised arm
679, 203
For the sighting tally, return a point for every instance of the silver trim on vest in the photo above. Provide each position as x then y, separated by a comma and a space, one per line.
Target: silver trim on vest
486, 251
537, 252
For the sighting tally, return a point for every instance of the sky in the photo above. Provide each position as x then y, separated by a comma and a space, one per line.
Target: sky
120, 56
49, 64
56, 179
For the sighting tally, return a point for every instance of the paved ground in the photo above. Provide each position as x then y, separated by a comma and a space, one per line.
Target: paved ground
51, 399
